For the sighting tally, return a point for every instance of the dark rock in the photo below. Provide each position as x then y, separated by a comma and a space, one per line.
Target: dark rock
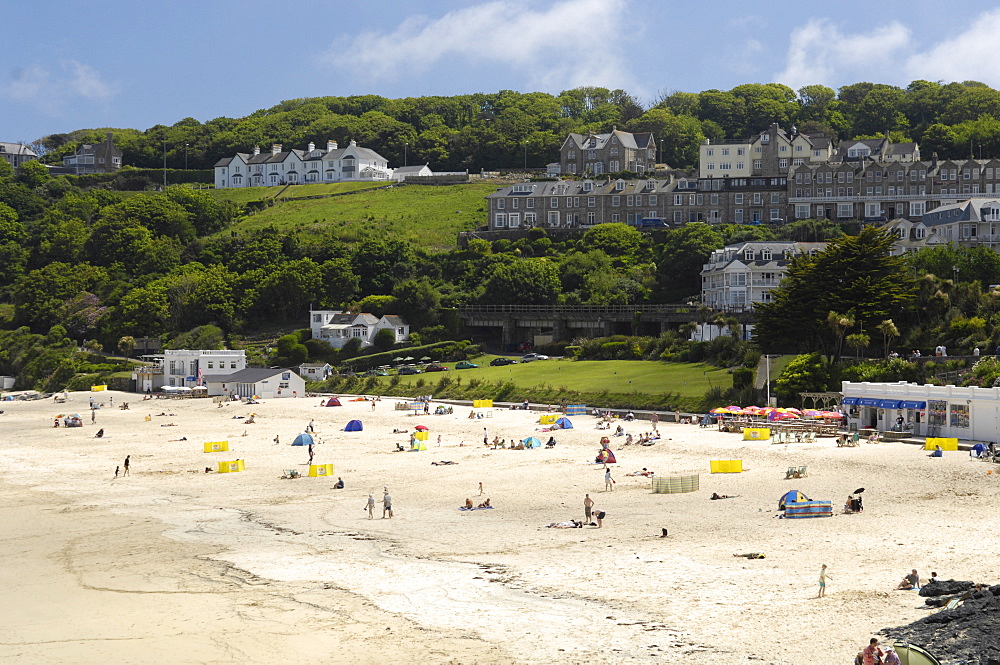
949, 588
967, 634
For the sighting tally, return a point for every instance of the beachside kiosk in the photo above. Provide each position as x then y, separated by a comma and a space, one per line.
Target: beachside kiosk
968, 413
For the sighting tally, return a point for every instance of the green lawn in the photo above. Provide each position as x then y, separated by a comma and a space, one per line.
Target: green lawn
427, 216
689, 380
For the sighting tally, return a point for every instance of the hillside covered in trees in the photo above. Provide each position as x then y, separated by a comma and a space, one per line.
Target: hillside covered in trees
497, 130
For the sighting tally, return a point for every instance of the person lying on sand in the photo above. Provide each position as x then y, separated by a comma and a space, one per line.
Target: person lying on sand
169, 425
443, 463
752, 555
485, 504
646, 473
570, 524
723, 496
183, 438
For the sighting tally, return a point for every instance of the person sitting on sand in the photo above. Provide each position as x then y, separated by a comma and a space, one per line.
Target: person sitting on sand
468, 504
472, 414
100, 433
400, 448
485, 504
340, 484
911, 581
938, 452
620, 431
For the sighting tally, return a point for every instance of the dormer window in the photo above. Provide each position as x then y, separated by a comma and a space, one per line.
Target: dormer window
620, 186
766, 255
588, 186
748, 254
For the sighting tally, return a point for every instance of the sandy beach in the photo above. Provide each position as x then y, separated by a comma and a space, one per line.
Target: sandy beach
174, 565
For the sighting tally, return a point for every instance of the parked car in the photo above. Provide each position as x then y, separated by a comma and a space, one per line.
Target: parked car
435, 368
409, 369
376, 372
528, 357
501, 361
465, 364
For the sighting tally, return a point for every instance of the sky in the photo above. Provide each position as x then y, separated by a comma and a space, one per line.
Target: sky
135, 64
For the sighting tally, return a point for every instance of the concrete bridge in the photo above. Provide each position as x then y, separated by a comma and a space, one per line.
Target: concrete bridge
562, 322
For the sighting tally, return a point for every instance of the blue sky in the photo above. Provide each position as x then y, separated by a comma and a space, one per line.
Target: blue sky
72, 65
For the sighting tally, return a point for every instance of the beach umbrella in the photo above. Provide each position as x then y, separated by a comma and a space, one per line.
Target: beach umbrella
408, 358
831, 414
425, 359
812, 413
397, 359
720, 409
421, 428
859, 490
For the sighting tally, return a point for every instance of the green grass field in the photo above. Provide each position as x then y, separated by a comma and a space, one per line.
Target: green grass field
424, 215
609, 383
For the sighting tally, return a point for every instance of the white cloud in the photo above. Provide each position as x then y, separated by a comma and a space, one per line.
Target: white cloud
564, 45
50, 89
969, 55
820, 53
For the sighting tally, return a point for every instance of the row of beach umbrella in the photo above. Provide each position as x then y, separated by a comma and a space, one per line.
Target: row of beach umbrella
779, 413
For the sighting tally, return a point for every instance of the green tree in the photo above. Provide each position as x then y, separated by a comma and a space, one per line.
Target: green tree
521, 281
854, 274
126, 345
680, 258
418, 302
384, 340
619, 241
805, 373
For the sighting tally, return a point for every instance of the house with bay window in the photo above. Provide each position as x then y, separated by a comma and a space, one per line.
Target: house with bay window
337, 328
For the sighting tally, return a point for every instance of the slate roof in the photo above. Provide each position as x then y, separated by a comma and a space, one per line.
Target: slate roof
248, 375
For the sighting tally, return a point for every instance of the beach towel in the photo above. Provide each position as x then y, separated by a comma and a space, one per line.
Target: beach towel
476, 508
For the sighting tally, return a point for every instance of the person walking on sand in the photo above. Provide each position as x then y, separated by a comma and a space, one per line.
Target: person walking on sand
373, 404
370, 505
126, 465
588, 505
486, 437
386, 505
276, 439
93, 415
609, 482
311, 453
822, 581
117, 468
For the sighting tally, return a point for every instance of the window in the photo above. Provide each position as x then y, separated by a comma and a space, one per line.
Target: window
678, 199
937, 411
501, 204
917, 210
738, 215
960, 415
232, 365
529, 219
798, 148
553, 202
591, 218
782, 163
739, 165
845, 210
738, 198
801, 211
211, 365
678, 217
757, 198
616, 201
629, 200
652, 199
500, 220
616, 217
620, 186
515, 203
709, 152
710, 166
713, 199
775, 197
638, 199
591, 201
513, 220
741, 151
775, 214
553, 220
757, 163
529, 203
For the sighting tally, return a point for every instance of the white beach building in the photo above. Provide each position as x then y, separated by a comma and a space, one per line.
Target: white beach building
968, 413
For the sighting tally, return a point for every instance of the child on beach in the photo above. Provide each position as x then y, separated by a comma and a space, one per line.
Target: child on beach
822, 581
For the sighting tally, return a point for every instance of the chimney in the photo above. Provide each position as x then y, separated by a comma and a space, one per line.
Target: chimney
331, 146
275, 148
110, 138
353, 143
312, 146
256, 150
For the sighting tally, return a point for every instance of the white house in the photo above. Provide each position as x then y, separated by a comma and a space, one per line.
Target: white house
403, 172
969, 413
336, 327
737, 276
186, 367
266, 383
315, 371
295, 167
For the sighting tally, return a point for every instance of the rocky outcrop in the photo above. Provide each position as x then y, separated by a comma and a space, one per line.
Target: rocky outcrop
968, 634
